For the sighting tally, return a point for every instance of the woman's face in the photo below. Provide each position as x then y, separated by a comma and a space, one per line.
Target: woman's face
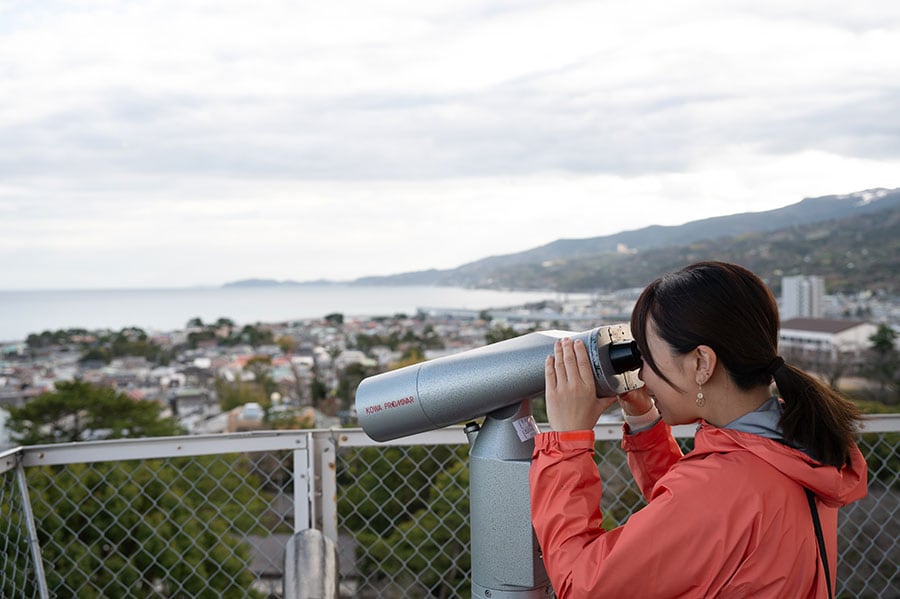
676, 402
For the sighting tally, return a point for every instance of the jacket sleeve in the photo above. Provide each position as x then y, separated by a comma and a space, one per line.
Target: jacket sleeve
652, 555
650, 455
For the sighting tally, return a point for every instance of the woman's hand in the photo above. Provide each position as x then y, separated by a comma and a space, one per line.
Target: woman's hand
572, 402
636, 403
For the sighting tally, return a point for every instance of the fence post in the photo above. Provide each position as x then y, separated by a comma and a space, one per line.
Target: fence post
310, 566
40, 577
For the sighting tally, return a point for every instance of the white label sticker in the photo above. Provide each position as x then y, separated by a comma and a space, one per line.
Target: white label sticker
526, 428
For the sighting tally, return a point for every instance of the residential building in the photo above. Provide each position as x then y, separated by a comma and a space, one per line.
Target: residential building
802, 297
189, 401
825, 336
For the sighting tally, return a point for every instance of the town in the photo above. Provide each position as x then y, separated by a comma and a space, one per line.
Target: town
228, 377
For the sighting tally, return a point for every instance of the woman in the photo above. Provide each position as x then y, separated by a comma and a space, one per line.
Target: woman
732, 518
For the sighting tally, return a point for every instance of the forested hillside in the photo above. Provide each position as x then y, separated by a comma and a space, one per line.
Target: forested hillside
853, 254
853, 241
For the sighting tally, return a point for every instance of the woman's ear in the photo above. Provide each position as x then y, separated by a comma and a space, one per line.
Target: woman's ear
705, 363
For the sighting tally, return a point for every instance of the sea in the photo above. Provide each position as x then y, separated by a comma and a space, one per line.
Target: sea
158, 310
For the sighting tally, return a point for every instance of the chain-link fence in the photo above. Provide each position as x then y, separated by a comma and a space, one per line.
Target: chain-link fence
21, 570
406, 509
175, 517
211, 516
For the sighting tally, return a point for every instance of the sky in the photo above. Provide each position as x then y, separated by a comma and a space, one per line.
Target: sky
171, 143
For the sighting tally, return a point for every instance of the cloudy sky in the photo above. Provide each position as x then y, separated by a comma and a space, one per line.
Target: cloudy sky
155, 143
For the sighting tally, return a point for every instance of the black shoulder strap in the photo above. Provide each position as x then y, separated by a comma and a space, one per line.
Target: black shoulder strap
819, 537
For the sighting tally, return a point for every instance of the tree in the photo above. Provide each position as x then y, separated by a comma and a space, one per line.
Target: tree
80, 411
500, 333
431, 339
405, 502
161, 528
52, 338
195, 338
235, 394
841, 363
349, 381
96, 354
130, 341
148, 528
261, 367
335, 318
411, 355
251, 335
884, 359
318, 390
434, 542
287, 344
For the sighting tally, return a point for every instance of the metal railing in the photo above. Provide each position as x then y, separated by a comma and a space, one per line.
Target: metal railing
211, 516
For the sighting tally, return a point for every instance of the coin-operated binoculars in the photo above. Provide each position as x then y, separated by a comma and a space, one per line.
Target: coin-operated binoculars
495, 381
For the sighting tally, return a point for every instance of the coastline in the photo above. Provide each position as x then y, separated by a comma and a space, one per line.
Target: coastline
24, 312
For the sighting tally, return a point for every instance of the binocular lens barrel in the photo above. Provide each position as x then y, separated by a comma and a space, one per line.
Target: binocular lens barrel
624, 356
462, 386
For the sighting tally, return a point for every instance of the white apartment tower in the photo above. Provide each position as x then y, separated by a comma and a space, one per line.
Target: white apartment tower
802, 297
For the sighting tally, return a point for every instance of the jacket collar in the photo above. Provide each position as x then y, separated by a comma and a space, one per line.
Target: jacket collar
834, 486
763, 421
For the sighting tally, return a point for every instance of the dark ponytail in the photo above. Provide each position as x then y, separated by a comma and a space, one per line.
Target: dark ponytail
728, 308
816, 417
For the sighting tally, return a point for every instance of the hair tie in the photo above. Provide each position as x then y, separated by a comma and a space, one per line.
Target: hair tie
775, 365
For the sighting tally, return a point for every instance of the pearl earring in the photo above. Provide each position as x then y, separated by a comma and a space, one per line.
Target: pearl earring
700, 399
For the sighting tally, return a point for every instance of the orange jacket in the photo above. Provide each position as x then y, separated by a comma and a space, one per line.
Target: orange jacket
729, 519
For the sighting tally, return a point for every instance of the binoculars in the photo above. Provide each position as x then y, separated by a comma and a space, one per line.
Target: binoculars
456, 388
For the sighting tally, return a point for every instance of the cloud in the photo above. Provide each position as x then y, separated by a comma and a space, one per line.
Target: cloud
302, 140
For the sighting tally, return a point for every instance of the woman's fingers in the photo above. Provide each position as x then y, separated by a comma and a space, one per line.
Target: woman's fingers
583, 361
550, 372
571, 391
570, 359
559, 360
575, 363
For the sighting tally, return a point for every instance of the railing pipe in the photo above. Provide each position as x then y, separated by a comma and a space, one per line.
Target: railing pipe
33, 543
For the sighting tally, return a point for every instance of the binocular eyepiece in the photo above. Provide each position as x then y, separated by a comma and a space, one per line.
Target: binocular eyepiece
624, 356
459, 387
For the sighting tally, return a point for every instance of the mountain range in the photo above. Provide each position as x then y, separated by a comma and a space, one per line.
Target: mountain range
851, 240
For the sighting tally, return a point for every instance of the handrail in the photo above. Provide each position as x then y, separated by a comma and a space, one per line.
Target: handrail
193, 445
162, 447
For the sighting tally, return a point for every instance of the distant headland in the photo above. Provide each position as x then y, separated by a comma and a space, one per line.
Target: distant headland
277, 283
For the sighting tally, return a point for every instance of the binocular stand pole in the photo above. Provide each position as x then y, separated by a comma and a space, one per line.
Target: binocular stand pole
506, 560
